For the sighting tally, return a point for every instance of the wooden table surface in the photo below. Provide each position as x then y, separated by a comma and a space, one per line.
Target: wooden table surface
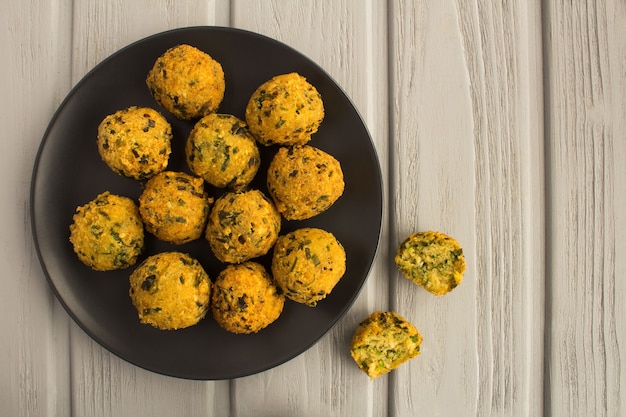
502, 123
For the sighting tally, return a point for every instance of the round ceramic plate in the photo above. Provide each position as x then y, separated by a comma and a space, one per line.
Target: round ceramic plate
69, 173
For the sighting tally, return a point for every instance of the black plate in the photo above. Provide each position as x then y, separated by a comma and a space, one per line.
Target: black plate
69, 172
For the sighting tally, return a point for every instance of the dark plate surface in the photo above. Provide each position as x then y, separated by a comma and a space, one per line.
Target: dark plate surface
69, 173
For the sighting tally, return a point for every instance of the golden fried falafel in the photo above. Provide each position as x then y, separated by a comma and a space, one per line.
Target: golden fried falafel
307, 264
174, 207
170, 291
285, 110
432, 260
135, 142
242, 226
304, 181
107, 233
187, 82
245, 299
383, 341
222, 151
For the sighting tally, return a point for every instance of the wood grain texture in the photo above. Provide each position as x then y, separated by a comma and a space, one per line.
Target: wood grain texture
468, 162
120, 23
586, 64
34, 341
348, 40
103, 384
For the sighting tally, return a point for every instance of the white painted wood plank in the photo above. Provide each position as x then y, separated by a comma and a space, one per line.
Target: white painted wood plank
105, 385
120, 23
34, 361
587, 154
102, 383
467, 151
348, 40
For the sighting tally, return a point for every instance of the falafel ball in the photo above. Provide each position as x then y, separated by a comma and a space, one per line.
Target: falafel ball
222, 151
383, 341
170, 291
307, 264
304, 181
188, 82
242, 226
432, 260
107, 233
245, 299
135, 142
285, 110
174, 207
